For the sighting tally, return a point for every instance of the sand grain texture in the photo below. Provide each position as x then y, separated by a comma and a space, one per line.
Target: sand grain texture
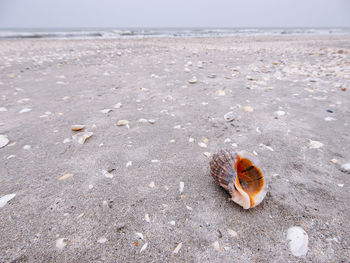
65, 82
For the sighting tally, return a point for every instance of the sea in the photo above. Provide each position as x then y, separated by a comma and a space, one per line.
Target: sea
111, 33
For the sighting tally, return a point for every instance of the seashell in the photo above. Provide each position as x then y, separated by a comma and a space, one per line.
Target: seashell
242, 175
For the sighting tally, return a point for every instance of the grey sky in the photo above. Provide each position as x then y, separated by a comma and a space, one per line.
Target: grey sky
175, 13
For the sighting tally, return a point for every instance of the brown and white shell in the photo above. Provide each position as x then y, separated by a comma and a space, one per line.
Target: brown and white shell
242, 175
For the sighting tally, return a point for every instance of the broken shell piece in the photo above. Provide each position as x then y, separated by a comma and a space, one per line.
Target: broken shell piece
193, 80
77, 127
122, 122
298, 241
3, 140
242, 175
82, 137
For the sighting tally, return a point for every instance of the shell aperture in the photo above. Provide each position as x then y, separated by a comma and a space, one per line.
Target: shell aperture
242, 175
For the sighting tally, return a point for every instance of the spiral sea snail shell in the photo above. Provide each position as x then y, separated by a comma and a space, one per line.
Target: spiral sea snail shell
242, 175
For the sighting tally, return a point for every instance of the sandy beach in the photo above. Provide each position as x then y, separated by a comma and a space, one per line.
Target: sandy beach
116, 197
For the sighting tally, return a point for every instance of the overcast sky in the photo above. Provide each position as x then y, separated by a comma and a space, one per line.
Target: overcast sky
174, 13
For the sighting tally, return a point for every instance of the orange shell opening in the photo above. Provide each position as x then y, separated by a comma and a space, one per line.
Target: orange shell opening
249, 178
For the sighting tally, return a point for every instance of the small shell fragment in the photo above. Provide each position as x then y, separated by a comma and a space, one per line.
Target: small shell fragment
232, 233
216, 246
82, 137
193, 80
298, 241
181, 188
77, 127
64, 177
3, 140
105, 111
315, 144
177, 249
139, 235
122, 122
143, 247
202, 144
60, 243
248, 109
4, 199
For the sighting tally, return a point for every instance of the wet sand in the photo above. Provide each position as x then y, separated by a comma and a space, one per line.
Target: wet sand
104, 200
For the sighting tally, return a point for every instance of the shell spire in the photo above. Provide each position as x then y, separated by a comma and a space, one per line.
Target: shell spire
242, 175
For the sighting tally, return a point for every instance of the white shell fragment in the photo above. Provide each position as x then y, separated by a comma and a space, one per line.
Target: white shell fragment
118, 105
102, 240
60, 243
181, 188
105, 111
230, 116
122, 122
82, 137
280, 113
298, 241
216, 245
27, 147
25, 110
3, 140
315, 144
202, 144
139, 235
232, 233
193, 80
5, 199
177, 249
345, 167
143, 247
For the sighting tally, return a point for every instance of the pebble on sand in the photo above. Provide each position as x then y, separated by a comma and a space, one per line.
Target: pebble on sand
3, 140
3, 109
27, 147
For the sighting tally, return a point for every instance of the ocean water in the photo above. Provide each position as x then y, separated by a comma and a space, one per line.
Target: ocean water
110, 33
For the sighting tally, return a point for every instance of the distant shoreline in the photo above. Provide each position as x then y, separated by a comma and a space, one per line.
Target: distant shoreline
110, 33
